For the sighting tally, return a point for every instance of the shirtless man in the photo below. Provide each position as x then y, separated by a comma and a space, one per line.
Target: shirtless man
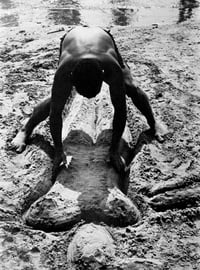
89, 56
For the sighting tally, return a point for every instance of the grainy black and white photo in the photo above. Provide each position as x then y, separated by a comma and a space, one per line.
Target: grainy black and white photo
100, 135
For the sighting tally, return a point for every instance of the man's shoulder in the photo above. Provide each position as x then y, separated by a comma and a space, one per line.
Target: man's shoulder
88, 33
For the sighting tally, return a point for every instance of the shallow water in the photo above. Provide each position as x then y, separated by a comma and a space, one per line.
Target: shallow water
103, 13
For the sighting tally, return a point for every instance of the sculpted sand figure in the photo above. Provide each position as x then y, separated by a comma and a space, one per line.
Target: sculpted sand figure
89, 56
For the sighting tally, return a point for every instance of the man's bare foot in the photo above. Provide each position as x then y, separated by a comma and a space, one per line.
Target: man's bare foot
19, 142
157, 132
160, 131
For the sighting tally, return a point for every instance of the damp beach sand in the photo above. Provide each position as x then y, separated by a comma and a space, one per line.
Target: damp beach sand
161, 43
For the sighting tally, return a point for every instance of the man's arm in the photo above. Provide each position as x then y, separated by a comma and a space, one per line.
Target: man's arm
60, 92
117, 92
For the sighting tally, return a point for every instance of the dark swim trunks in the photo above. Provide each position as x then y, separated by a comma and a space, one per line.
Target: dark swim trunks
120, 60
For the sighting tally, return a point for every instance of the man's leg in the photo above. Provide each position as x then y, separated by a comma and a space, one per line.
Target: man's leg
40, 113
141, 101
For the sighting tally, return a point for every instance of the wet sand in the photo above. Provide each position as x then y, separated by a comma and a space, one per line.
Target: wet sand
104, 13
164, 177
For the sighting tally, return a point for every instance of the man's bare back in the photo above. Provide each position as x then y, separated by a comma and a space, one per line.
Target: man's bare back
89, 43
85, 41
88, 57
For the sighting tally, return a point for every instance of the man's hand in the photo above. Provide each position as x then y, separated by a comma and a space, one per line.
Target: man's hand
117, 162
58, 159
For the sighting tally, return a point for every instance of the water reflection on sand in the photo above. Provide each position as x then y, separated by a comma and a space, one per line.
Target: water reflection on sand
97, 12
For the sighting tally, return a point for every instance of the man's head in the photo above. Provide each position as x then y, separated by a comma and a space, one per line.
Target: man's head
87, 77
